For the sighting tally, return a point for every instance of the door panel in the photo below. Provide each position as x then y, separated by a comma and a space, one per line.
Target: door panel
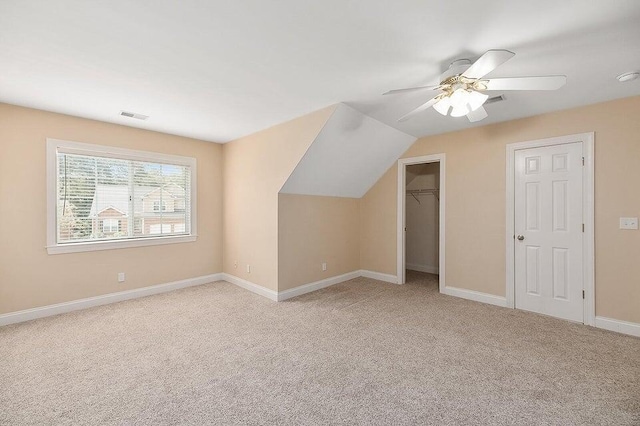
548, 224
533, 270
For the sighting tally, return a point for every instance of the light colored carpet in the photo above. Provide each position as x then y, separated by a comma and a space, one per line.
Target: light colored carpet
361, 352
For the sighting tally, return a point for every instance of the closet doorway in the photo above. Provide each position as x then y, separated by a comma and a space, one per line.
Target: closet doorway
421, 216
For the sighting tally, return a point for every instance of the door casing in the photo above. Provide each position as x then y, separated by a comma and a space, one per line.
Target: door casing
588, 244
401, 219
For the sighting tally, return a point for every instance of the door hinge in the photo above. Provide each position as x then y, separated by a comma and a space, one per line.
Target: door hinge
583, 161
583, 227
583, 294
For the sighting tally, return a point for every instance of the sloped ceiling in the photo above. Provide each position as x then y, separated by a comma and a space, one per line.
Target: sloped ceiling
349, 155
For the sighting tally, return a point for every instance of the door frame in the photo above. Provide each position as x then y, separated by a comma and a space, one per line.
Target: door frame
401, 219
588, 242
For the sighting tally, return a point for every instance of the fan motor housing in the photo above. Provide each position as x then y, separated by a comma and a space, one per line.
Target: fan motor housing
456, 67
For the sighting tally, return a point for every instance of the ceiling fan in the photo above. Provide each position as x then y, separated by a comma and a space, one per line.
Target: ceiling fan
461, 86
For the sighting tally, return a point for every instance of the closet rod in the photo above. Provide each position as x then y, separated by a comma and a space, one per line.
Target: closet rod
413, 193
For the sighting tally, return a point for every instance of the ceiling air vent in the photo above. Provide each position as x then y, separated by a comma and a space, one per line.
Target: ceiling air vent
495, 99
133, 115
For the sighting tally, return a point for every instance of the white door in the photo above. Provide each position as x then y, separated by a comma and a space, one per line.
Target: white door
549, 230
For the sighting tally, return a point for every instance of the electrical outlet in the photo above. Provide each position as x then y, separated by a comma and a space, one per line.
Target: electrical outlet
628, 223
120, 277
235, 264
248, 269
324, 266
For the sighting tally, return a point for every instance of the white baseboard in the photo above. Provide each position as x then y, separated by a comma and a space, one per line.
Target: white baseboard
248, 285
422, 268
379, 276
610, 324
76, 305
308, 288
475, 296
305, 288
619, 326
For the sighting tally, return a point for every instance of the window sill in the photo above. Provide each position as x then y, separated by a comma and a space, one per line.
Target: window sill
112, 245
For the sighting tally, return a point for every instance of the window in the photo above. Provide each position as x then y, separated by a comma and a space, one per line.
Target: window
102, 197
157, 204
110, 226
160, 228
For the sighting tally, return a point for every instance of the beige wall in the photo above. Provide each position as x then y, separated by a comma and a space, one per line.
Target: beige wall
475, 209
313, 230
251, 171
29, 277
255, 168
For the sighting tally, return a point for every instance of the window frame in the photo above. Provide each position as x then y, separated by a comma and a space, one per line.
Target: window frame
162, 206
81, 148
110, 220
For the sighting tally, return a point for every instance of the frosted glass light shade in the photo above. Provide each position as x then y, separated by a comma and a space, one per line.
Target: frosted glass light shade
460, 111
461, 102
443, 105
476, 99
459, 99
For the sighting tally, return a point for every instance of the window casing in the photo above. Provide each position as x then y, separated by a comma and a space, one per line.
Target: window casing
101, 197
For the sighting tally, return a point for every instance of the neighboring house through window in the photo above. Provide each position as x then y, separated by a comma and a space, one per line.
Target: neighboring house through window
160, 228
102, 197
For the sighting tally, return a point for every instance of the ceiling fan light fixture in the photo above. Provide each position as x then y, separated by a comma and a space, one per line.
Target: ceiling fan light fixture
463, 85
459, 98
443, 105
460, 111
477, 99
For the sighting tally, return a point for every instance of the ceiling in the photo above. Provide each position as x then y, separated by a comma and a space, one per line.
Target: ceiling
348, 156
219, 70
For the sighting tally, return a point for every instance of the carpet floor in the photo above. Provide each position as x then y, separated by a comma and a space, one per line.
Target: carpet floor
361, 352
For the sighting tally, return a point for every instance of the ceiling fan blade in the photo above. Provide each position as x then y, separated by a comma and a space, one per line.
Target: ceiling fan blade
410, 89
477, 115
421, 108
548, 82
486, 63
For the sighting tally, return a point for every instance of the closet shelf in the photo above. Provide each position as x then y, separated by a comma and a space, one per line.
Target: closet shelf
430, 191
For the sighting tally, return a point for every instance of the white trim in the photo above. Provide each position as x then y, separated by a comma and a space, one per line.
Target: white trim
83, 148
379, 276
53, 146
400, 234
422, 268
248, 285
587, 140
76, 305
588, 242
119, 244
610, 324
305, 288
308, 288
619, 326
476, 296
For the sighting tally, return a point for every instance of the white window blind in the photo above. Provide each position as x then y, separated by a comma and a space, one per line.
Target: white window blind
106, 198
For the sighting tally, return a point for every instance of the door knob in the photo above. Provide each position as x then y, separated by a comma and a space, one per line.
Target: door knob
520, 237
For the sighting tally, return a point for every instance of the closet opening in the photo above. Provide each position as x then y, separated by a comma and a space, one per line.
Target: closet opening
420, 221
